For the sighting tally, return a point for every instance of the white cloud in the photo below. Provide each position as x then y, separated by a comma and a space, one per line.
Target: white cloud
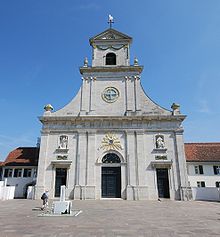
204, 106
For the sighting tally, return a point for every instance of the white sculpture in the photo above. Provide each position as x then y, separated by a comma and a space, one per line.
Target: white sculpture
62, 206
62, 193
63, 142
160, 142
110, 18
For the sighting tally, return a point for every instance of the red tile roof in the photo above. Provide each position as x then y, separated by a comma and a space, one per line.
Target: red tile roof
22, 156
202, 152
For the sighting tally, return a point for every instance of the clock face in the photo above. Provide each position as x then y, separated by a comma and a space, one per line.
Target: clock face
110, 94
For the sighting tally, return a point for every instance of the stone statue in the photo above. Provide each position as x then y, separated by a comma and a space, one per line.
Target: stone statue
160, 142
85, 62
63, 142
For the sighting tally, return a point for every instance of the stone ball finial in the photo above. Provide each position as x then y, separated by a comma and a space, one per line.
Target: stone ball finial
85, 62
176, 108
135, 61
48, 107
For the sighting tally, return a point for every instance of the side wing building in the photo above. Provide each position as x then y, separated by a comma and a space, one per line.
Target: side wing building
112, 140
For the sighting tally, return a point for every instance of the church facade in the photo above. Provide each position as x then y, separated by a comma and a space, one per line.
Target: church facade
112, 140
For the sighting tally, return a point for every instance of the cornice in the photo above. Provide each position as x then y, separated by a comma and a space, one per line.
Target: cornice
111, 118
138, 69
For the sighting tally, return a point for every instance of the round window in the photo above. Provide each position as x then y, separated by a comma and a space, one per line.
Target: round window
110, 94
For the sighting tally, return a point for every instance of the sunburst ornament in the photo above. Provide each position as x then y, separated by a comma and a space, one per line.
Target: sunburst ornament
111, 142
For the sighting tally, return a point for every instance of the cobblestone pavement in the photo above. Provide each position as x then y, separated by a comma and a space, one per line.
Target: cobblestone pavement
108, 218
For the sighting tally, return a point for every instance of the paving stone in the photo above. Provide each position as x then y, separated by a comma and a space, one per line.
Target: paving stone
112, 219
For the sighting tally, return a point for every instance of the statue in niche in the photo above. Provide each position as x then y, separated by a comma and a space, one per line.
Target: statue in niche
160, 142
63, 142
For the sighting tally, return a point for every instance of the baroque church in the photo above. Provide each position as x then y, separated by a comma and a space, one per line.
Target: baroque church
112, 140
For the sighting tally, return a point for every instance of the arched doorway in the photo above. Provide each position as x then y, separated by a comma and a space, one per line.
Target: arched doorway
111, 176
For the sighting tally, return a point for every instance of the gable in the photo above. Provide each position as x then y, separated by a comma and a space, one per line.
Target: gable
110, 35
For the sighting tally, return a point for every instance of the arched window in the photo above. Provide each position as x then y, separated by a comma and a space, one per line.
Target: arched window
110, 59
111, 158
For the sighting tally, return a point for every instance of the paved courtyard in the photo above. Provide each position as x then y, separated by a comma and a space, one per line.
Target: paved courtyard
108, 218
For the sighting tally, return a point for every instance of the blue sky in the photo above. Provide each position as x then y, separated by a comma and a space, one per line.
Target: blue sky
43, 43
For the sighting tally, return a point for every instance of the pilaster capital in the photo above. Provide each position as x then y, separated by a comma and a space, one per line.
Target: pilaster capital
179, 131
139, 132
129, 132
81, 132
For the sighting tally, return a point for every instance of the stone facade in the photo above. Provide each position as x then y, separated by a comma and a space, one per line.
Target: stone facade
112, 140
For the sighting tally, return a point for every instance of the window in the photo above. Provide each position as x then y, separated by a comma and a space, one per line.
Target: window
217, 184
199, 169
8, 173
17, 173
111, 158
216, 169
110, 59
27, 173
201, 184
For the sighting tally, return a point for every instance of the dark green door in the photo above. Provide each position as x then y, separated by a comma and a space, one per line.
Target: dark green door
60, 180
111, 182
163, 183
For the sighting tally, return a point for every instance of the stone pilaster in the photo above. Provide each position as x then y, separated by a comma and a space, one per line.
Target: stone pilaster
181, 172
131, 166
40, 185
92, 101
72, 169
130, 94
137, 92
85, 91
81, 166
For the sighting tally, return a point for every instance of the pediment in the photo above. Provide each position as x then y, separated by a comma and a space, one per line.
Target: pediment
110, 35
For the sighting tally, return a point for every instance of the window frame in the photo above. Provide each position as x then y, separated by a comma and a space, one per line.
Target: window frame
198, 169
29, 171
217, 184
216, 169
201, 184
9, 173
17, 173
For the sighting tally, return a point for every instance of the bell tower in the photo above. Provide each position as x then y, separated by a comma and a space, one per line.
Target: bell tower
111, 48
110, 85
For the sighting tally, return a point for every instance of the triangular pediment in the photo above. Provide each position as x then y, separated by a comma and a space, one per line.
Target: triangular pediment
110, 35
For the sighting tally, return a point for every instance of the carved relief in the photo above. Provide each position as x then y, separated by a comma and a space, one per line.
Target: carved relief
63, 142
161, 157
160, 142
111, 142
110, 36
60, 157
115, 47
